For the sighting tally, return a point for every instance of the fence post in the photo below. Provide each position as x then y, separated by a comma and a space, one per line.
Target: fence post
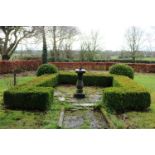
14, 78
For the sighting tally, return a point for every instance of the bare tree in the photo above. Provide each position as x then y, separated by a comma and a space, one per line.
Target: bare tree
150, 39
10, 37
68, 42
62, 38
83, 51
134, 39
89, 46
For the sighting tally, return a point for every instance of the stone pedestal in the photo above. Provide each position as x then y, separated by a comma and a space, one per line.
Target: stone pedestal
79, 84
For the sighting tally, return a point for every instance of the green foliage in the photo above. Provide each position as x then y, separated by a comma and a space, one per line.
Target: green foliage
126, 95
37, 98
46, 80
90, 79
122, 69
101, 80
46, 69
19, 119
67, 78
35, 95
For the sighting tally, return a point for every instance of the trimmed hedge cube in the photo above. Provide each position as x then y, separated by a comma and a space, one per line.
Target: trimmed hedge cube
37, 98
34, 95
121, 100
126, 95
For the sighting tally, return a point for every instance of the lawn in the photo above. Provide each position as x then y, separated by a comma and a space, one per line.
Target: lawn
49, 119
138, 119
144, 119
24, 119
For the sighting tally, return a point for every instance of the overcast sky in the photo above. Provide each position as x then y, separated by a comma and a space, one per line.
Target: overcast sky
111, 37
110, 17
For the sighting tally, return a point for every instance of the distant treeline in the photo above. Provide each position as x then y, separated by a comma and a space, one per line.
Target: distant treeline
99, 56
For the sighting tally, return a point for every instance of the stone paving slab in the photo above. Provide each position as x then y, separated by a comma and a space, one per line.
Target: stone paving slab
65, 93
82, 114
89, 119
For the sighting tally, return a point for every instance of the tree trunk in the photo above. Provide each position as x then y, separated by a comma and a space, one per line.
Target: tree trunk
54, 43
134, 56
44, 54
5, 57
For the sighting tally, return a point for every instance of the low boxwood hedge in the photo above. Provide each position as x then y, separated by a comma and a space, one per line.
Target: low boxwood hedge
126, 95
34, 95
123, 94
37, 98
122, 69
46, 69
67, 78
89, 79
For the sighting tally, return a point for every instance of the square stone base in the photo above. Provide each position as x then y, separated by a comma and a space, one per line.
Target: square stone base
79, 95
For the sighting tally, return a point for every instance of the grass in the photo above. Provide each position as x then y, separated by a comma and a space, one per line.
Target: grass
23, 119
148, 58
17, 119
7, 82
140, 120
144, 119
147, 80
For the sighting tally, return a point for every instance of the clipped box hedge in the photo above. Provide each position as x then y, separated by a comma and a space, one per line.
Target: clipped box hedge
37, 98
34, 95
123, 94
126, 95
89, 79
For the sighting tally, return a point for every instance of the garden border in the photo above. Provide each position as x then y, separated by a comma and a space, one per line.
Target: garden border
122, 94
